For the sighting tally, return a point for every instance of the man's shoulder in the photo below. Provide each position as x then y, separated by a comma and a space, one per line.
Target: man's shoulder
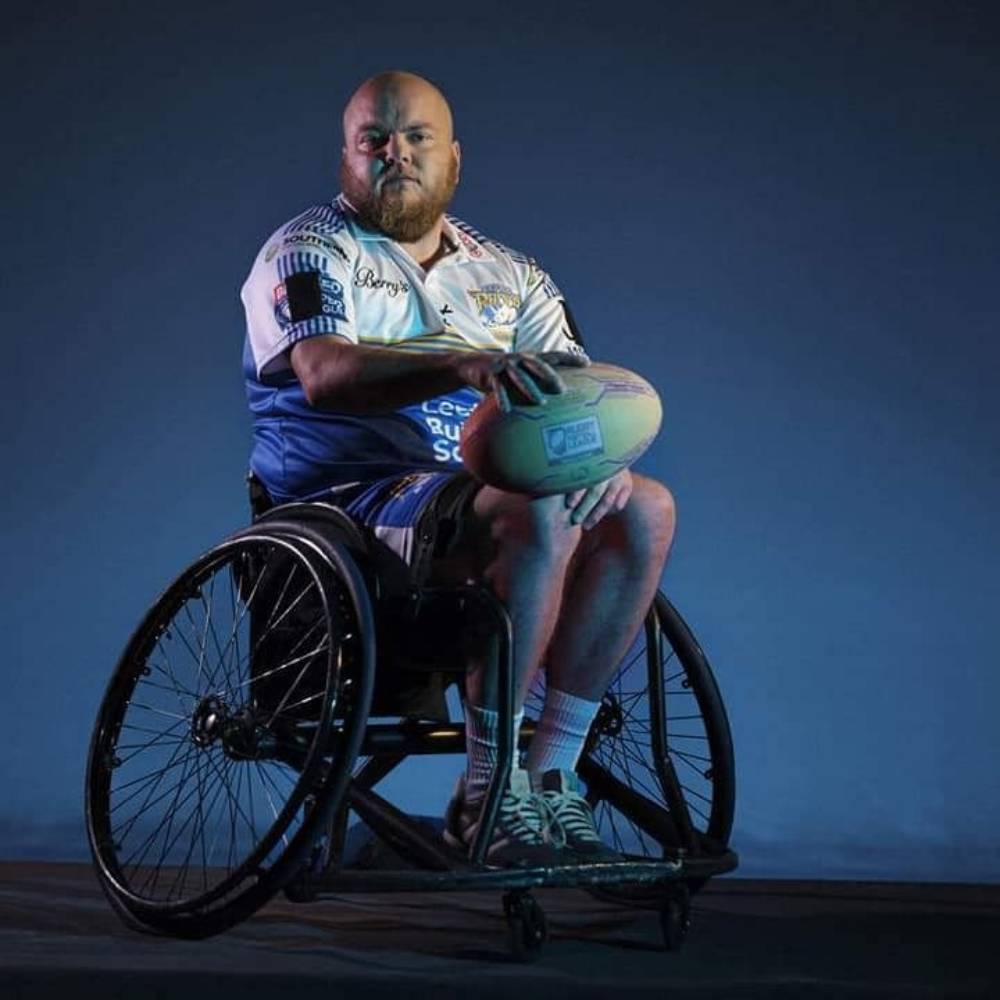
329, 218
321, 228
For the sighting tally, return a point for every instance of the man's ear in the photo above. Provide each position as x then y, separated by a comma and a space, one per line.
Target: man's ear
456, 148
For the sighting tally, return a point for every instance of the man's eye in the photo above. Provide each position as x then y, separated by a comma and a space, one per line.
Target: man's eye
418, 136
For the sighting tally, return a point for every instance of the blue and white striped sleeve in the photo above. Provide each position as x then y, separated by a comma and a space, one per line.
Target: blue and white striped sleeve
299, 287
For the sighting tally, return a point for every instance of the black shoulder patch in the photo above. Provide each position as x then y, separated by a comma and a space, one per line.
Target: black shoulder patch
573, 331
305, 296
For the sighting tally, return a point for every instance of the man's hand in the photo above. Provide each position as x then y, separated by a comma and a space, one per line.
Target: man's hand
589, 506
528, 376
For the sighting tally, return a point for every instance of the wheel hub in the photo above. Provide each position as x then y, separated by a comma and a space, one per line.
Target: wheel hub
207, 721
609, 720
238, 731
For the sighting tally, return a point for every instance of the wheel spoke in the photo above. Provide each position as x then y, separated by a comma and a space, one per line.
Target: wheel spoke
270, 801
257, 678
168, 673
283, 704
158, 740
144, 847
687, 757
630, 781
159, 711
236, 807
177, 631
238, 618
149, 775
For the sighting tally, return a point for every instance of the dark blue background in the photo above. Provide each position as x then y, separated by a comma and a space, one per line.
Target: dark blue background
784, 214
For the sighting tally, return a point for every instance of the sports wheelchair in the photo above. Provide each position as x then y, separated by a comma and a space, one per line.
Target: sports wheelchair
257, 707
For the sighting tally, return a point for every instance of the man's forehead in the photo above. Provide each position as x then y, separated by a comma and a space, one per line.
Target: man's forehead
399, 105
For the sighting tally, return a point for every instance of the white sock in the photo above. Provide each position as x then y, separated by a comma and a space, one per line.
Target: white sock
482, 732
561, 733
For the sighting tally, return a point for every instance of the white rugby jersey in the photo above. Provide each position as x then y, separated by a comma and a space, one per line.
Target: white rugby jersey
324, 273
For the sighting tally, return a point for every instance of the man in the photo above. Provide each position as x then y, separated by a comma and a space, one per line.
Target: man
374, 324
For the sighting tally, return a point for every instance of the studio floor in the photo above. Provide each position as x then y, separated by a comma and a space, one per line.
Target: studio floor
749, 938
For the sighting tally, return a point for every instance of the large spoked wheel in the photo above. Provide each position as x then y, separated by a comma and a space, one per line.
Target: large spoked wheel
228, 730
658, 762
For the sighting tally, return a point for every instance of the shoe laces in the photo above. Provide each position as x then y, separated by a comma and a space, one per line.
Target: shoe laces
530, 818
572, 813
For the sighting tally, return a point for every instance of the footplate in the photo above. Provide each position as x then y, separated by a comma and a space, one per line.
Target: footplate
628, 872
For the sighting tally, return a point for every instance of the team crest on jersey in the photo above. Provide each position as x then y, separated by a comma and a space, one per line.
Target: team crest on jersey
497, 305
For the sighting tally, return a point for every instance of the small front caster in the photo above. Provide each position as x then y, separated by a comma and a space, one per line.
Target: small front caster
675, 920
299, 889
526, 929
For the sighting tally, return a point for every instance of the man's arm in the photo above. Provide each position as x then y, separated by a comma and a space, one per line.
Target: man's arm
353, 378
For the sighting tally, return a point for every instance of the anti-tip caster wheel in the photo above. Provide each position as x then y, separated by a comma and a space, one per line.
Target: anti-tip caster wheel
675, 920
526, 928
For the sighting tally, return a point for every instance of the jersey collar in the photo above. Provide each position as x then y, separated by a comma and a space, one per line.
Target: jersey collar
466, 248
358, 229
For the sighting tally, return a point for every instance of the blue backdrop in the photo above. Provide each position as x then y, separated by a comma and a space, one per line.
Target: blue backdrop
784, 214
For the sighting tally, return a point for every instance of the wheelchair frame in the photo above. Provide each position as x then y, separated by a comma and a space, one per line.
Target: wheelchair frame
329, 546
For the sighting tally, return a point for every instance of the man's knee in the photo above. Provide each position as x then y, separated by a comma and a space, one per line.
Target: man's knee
539, 523
656, 505
647, 523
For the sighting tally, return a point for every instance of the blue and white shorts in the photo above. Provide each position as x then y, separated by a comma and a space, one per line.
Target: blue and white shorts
417, 515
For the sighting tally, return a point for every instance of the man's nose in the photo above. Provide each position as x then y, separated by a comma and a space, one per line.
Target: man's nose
397, 149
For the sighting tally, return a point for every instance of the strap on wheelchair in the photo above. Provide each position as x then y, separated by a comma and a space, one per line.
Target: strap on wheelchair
260, 500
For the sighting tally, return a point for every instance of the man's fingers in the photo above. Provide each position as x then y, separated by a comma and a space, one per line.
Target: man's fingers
532, 377
605, 505
521, 379
624, 493
546, 375
509, 373
590, 506
503, 397
565, 358
587, 503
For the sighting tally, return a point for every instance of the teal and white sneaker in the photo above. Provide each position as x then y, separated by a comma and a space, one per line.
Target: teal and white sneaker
524, 835
560, 793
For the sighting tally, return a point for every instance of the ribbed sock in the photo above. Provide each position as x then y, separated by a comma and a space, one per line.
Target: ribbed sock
481, 739
561, 733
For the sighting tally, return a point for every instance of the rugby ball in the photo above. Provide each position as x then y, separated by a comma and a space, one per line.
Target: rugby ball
605, 420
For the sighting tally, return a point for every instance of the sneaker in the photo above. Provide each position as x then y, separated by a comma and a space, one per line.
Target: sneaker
524, 835
560, 793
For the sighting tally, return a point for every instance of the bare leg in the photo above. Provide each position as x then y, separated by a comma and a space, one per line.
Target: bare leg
609, 586
522, 548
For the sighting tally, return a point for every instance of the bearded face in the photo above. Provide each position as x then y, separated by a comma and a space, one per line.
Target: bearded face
400, 160
398, 203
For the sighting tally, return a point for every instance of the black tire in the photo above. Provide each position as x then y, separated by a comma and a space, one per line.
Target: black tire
527, 930
625, 774
675, 921
199, 789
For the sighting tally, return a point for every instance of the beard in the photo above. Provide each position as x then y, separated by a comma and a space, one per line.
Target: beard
392, 213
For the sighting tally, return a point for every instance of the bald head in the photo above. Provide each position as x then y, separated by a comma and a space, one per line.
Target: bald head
401, 161
382, 97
